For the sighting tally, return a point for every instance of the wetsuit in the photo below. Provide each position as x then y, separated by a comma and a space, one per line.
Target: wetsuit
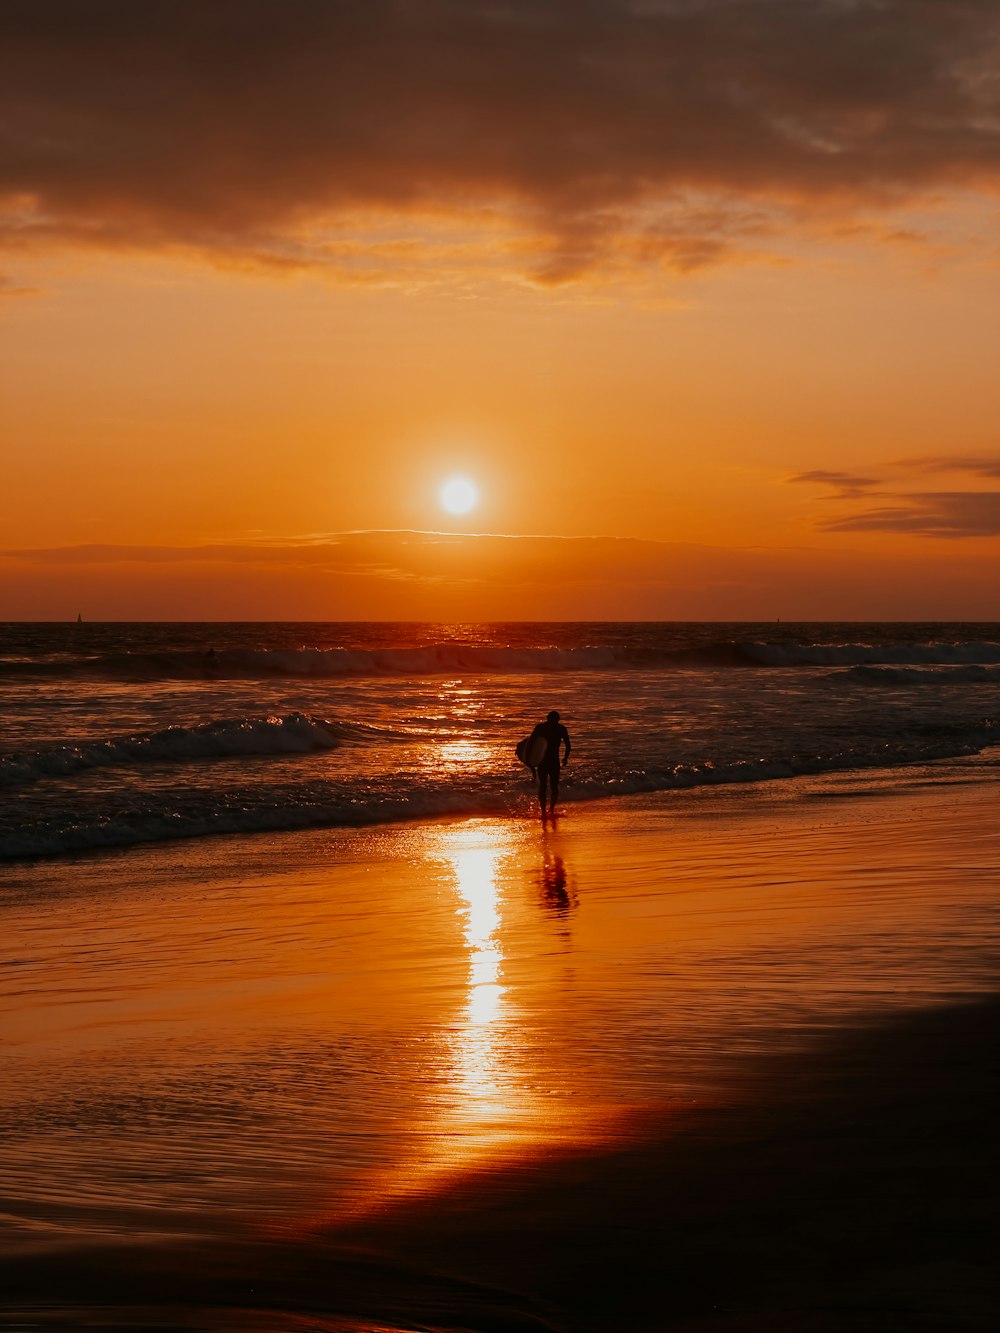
548, 770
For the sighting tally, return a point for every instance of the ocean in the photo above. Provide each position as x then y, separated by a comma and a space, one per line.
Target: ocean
308, 1020
122, 734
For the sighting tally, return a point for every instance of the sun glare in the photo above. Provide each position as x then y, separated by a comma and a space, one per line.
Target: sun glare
458, 495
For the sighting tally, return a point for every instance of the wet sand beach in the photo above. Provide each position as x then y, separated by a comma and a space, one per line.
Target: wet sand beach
720, 1059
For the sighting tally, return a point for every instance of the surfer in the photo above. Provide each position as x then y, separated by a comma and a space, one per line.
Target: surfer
553, 733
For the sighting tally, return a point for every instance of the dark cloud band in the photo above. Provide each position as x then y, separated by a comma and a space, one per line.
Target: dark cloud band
236, 126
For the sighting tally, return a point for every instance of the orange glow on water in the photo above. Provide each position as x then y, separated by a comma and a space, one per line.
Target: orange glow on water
458, 753
393, 1009
490, 1110
476, 882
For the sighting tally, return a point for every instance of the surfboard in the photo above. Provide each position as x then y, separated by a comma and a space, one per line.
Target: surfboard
531, 751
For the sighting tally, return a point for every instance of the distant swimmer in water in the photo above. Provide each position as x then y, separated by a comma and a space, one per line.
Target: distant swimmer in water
554, 734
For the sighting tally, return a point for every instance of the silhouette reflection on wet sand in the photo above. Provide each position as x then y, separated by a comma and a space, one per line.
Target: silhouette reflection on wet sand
558, 895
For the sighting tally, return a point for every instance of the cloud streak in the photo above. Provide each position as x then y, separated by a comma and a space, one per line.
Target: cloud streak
930, 514
9, 288
671, 132
916, 513
983, 466
846, 486
467, 577
462, 558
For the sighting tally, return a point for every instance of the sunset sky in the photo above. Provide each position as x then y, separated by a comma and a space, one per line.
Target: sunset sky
702, 295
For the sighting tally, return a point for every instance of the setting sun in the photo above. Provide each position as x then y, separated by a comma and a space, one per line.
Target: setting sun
498, 596
458, 495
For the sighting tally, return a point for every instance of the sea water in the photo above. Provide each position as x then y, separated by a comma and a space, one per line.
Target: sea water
205, 1034
120, 734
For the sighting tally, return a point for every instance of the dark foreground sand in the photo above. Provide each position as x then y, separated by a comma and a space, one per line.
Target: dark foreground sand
863, 1196
848, 1183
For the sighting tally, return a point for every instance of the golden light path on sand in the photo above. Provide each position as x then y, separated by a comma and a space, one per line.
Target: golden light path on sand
497, 1109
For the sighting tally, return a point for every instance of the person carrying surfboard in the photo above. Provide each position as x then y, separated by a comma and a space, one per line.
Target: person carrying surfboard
553, 733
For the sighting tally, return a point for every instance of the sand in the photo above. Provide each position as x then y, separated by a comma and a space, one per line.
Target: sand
716, 1060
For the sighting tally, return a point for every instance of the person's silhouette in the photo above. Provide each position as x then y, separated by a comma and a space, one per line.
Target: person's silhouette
555, 734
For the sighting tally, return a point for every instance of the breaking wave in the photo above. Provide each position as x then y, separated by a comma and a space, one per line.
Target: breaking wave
295, 733
924, 675
485, 659
863, 654
336, 804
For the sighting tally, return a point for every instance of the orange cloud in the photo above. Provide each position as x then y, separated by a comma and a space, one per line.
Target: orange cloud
916, 513
930, 514
674, 132
845, 485
984, 466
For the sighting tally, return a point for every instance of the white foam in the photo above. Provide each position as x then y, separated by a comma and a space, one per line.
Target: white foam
295, 733
327, 805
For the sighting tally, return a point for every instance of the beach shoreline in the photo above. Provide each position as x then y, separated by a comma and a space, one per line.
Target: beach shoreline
713, 1060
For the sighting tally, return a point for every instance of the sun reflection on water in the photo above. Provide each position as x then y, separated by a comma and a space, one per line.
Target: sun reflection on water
477, 1048
489, 1089
462, 753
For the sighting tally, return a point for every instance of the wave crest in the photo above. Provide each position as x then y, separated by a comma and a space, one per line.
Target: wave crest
487, 659
923, 675
865, 654
332, 804
257, 664
295, 733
